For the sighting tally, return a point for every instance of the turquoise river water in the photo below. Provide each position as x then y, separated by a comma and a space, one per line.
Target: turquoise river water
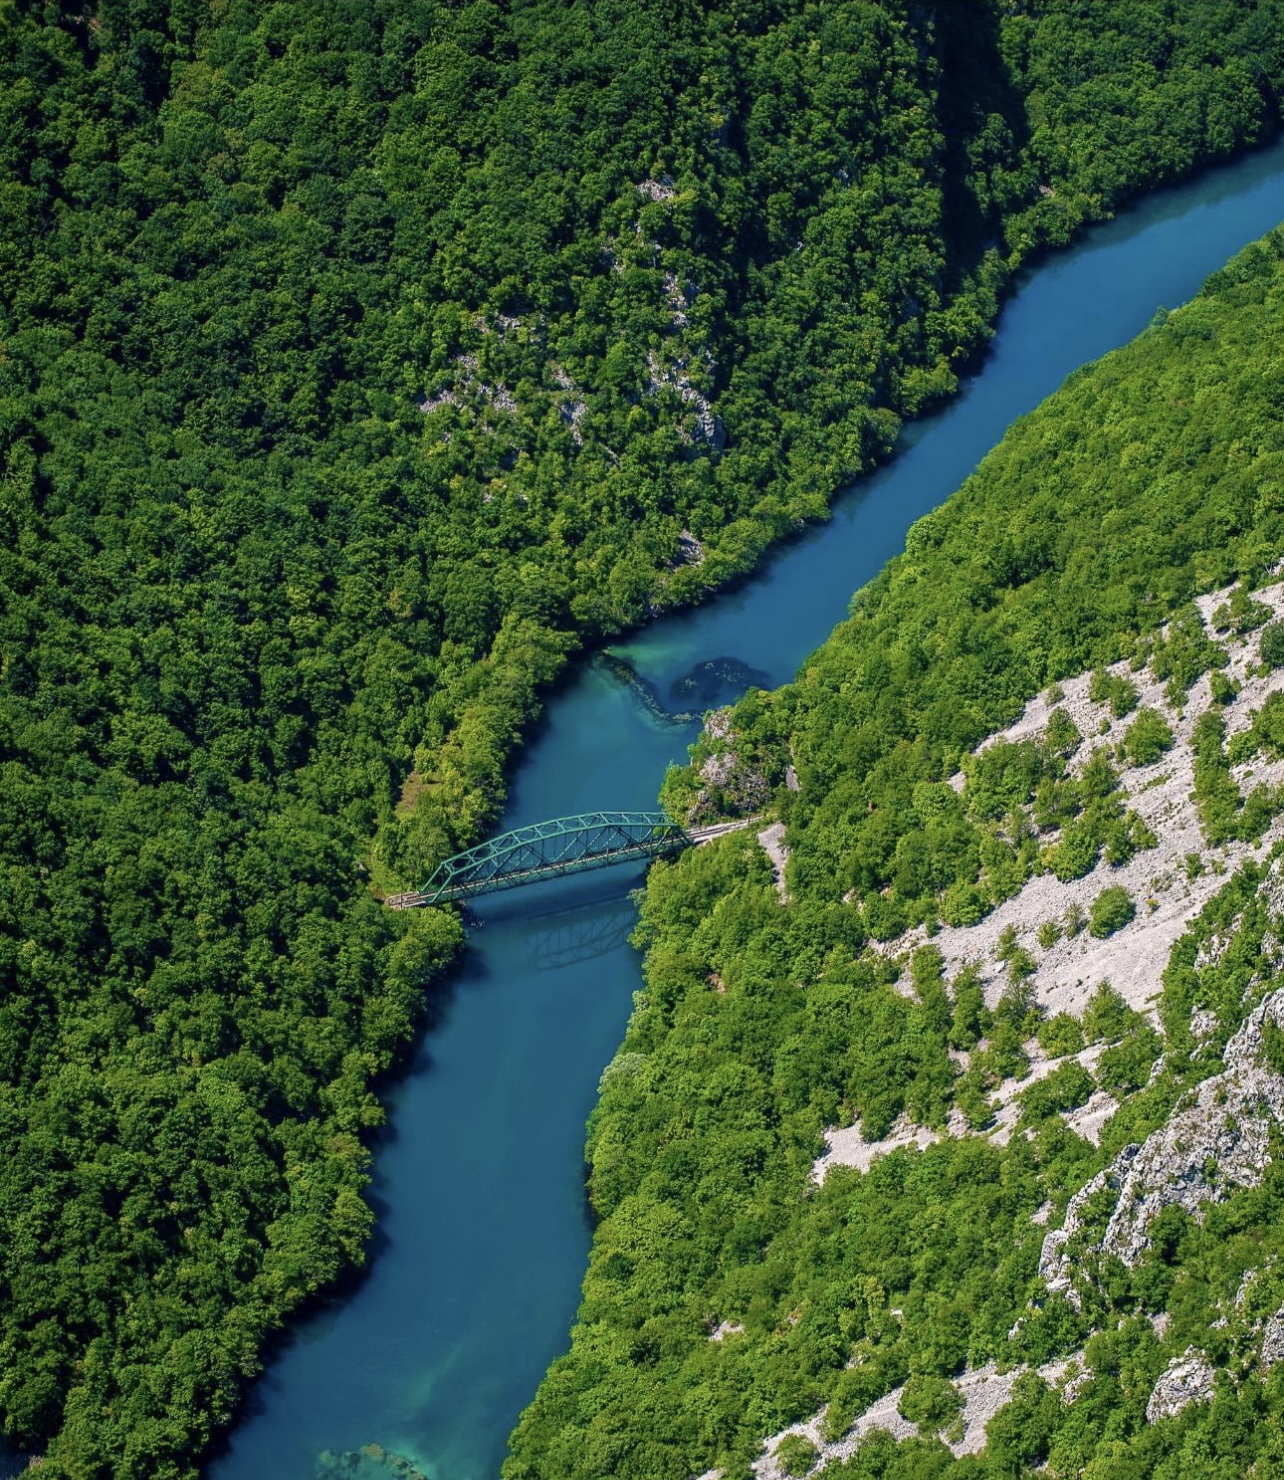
484, 1235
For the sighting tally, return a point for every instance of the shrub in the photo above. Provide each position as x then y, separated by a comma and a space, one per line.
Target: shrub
1216, 793
963, 904
971, 1099
930, 1402
1222, 688
1064, 1089
1049, 934
1002, 777
1107, 1016
1260, 807
1126, 1066
1099, 778
1147, 738
1241, 747
1005, 1056
1119, 844
1055, 803
1076, 854
929, 987
1021, 965
1113, 689
1111, 910
1143, 835
1268, 726
1241, 613
1075, 918
1273, 1045
855, 1388
1062, 736
796, 1454
1271, 645
1187, 651
971, 1020
1060, 1035
1019, 961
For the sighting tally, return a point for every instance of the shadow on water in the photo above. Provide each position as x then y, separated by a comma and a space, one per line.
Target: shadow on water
570, 937
479, 1174
708, 685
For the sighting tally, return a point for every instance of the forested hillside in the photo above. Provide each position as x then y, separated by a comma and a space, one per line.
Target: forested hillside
828, 1155
358, 362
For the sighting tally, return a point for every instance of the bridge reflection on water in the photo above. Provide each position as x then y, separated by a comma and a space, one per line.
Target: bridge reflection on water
584, 932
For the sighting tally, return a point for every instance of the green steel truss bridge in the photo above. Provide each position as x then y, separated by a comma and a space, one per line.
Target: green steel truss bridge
545, 850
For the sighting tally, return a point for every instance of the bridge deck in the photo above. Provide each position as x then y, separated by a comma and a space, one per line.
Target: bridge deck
563, 845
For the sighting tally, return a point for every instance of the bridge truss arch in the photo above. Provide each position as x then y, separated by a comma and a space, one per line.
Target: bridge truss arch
563, 845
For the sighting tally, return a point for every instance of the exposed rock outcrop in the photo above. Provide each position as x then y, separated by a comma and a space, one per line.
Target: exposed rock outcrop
772, 841
573, 408
984, 1390
1272, 1349
1186, 1380
690, 550
1207, 1150
732, 786
468, 387
1168, 891
657, 190
703, 428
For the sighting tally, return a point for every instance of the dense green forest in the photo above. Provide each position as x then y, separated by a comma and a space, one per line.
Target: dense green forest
1152, 476
358, 362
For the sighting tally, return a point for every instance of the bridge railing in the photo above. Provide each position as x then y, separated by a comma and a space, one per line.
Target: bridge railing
563, 845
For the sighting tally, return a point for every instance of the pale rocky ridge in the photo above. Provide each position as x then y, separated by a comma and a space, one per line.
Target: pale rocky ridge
1187, 1379
1167, 896
772, 841
984, 1391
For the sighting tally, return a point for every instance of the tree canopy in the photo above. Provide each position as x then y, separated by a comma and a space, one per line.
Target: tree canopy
359, 362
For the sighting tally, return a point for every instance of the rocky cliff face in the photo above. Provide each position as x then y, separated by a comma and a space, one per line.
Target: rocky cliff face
1209, 1148
1201, 963
1272, 1348
731, 785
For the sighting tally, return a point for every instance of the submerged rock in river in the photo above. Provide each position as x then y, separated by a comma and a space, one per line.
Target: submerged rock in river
710, 683
370, 1462
717, 681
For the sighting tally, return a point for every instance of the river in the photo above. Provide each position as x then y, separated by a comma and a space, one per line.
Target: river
483, 1234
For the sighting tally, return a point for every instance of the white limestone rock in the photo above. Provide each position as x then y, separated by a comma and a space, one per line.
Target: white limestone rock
1272, 1351
1186, 1380
1206, 1151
